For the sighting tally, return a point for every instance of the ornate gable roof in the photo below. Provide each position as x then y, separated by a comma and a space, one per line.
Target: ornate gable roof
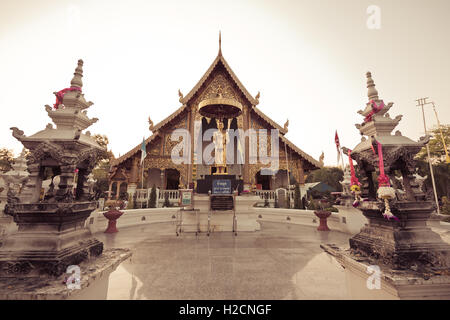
275, 125
220, 60
313, 162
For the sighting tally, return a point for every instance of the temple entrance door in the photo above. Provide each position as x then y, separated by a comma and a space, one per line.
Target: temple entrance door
173, 179
263, 180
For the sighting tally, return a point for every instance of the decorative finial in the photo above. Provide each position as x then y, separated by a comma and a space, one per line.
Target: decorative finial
76, 80
180, 94
286, 125
372, 92
220, 42
150, 122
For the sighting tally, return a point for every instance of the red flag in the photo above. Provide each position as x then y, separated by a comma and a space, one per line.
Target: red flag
336, 140
338, 146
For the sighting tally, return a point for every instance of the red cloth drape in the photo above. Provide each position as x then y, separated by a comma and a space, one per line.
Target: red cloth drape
375, 109
60, 95
383, 180
353, 180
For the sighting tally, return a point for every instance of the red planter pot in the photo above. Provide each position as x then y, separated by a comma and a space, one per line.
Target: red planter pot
112, 215
323, 215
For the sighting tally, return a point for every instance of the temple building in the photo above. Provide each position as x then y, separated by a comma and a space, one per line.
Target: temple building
218, 101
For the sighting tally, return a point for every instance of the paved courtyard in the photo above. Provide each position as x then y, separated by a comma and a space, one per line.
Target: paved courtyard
279, 262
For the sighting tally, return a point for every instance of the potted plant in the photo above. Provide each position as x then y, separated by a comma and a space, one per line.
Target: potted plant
322, 214
113, 214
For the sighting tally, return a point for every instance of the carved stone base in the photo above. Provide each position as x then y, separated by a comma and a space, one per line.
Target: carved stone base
19, 264
401, 244
50, 238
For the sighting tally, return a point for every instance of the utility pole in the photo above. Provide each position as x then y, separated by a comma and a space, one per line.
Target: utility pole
421, 102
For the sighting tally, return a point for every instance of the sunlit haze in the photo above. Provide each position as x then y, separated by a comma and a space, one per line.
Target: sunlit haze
307, 58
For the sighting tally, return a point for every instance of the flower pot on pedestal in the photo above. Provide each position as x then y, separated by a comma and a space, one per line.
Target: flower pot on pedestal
322, 215
112, 215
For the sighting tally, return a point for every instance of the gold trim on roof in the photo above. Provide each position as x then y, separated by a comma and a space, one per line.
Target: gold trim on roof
233, 76
301, 153
269, 121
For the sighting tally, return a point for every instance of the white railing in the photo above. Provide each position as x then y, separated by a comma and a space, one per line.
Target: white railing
266, 194
172, 194
270, 195
143, 196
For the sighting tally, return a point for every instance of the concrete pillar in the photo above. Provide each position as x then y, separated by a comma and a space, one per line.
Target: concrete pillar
32, 188
162, 179
134, 170
301, 174
246, 123
118, 189
66, 180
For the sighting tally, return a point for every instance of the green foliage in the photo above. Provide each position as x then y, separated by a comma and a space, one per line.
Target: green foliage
166, 201
436, 146
312, 204
331, 209
441, 171
152, 200
297, 199
101, 170
445, 209
329, 175
6, 159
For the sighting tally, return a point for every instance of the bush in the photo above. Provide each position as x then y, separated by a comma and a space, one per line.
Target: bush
152, 200
166, 201
331, 209
312, 204
445, 209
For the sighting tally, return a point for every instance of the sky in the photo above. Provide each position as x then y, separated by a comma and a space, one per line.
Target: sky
307, 58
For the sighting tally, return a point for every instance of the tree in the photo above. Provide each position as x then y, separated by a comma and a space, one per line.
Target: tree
152, 200
445, 206
6, 159
441, 172
437, 152
101, 170
103, 141
329, 175
441, 168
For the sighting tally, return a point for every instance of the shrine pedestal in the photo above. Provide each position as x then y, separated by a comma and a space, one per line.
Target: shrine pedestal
222, 220
387, 284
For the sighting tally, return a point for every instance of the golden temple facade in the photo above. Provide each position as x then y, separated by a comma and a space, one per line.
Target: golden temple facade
129, 174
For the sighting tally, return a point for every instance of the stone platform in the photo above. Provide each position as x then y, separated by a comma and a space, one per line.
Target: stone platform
411, 284
93, 285
50, 237
246, 216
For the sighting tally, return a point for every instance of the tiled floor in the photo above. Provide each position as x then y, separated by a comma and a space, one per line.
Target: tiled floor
279, 262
